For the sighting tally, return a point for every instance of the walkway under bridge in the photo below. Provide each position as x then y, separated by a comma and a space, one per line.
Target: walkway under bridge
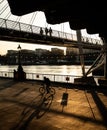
21, 32
17, 31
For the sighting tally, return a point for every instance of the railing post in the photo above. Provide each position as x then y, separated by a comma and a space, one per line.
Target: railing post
31, 28
5, 23
58, 34
19, 26
54, 78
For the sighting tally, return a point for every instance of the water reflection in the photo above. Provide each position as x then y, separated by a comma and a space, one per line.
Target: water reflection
74, 70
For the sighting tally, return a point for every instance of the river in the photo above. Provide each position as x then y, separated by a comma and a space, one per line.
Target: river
54, 72
74, 70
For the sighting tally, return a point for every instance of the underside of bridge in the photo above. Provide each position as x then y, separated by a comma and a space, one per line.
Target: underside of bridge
84, 14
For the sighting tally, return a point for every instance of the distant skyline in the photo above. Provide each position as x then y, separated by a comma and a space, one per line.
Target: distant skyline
37, 19
5, 45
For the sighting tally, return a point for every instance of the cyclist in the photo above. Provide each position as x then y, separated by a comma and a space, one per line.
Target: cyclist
47, 83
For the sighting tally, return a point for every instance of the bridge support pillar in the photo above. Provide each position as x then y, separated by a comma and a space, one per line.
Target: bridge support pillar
84, 80
105, 62
103, 81
78, 32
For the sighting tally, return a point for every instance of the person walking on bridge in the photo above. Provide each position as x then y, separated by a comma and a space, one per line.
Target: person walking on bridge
46, 31
41, 31
50, 31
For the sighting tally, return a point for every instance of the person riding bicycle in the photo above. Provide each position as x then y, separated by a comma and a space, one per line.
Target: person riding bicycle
47, 83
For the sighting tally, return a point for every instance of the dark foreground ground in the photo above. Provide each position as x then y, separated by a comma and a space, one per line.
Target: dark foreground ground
22, 107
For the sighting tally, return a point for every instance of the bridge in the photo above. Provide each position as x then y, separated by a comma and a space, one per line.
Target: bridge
22, 32
14, 30
11, 30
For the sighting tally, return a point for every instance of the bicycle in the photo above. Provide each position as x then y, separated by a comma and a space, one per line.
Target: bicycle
43, 90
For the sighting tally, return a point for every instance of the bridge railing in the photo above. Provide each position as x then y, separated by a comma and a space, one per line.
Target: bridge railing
14, 25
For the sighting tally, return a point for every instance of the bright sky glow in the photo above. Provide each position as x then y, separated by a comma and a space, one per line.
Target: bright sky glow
5, 45
39, 20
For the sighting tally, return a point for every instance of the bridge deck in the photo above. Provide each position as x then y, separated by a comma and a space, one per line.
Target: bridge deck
21, 32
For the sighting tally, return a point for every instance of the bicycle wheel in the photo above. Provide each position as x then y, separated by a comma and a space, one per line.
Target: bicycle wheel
52, 91
41, 90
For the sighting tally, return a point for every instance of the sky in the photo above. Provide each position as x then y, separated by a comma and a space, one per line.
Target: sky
38, 19
5, 45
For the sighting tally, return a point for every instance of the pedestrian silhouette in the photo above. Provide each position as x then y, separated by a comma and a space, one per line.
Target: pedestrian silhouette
50, 31
46, 31
41, 31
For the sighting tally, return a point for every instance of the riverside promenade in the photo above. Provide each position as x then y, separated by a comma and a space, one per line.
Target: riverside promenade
22, 107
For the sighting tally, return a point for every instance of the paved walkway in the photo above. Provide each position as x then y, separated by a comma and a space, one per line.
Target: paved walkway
22, 107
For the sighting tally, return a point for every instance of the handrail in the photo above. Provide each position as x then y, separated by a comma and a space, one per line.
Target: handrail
38, 76
52, 77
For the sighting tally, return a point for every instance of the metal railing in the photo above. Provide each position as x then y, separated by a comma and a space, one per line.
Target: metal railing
37, 76
23, 27
52, 77
6, 74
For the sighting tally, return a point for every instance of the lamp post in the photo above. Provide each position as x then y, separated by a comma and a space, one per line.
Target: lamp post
19, 61
20, 69
19, 75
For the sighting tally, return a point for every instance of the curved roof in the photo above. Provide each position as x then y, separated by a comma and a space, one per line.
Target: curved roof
84, 14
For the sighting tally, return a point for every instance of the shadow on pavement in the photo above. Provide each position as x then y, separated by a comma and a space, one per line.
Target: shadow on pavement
21, 91
101, 107
7, 84
36, 109
41, 104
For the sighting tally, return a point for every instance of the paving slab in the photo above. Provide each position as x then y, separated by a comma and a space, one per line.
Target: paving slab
22, 107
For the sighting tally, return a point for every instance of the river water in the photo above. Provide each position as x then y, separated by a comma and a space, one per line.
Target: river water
55, 72
74, 70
